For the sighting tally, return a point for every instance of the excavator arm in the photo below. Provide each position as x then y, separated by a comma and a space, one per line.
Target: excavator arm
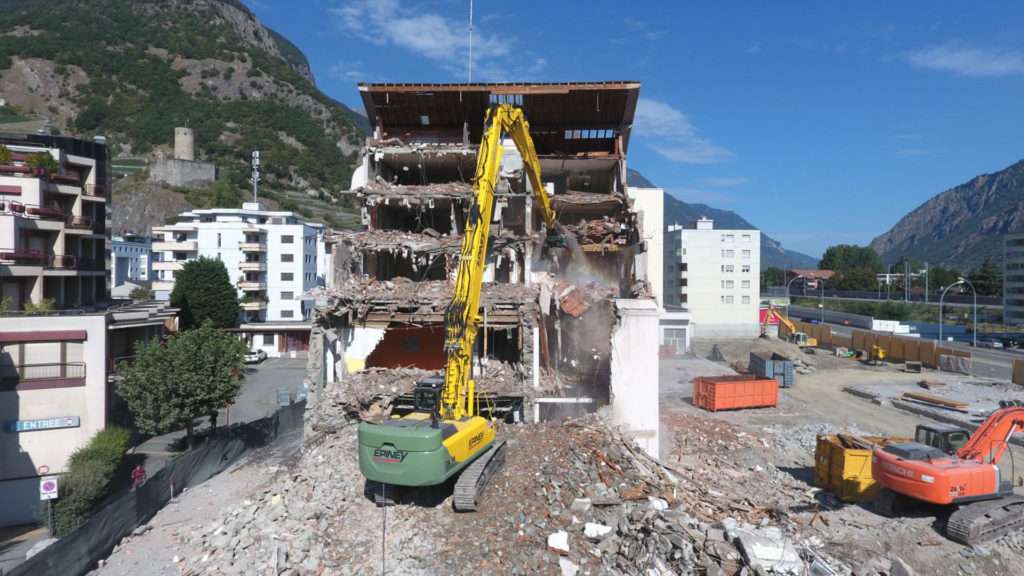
462, 316
990, 440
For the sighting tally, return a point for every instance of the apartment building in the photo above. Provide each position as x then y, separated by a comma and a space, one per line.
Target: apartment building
53, 233
131, 260
719, 282
271, 256
1013, 279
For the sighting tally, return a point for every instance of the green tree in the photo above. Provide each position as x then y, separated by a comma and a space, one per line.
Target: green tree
171, 385
203, 291
5, 155
856, 279
940, 277
140, 293
772, 276
42, 162
987, 278
845, 257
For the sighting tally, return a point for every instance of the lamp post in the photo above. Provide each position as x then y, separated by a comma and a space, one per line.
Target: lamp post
959, 281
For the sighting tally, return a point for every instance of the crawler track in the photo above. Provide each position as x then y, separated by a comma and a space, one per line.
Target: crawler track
473, 480
983, 521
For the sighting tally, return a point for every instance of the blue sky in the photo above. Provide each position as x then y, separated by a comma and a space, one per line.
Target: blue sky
819, 122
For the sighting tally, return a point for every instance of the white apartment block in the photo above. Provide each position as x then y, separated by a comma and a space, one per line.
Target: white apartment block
271, 256
1013, 280
53, 234
720, 275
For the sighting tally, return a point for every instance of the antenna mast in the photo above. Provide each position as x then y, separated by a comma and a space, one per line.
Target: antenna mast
470, 41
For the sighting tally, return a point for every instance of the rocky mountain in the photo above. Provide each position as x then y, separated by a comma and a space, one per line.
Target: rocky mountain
961, 226
132, 70
679, 212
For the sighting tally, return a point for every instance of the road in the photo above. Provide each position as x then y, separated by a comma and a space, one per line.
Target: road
988, 362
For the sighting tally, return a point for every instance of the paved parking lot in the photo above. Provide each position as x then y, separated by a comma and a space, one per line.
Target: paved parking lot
258, 397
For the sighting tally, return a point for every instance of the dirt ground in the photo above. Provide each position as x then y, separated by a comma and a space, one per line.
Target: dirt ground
817, 404
281, 513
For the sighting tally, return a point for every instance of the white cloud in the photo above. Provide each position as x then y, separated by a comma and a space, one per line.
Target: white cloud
670, 133
346, 71
753, 49
435, 37
726, 181
965, 60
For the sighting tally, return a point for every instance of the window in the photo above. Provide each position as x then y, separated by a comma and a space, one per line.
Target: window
727, 299
746, 284
745, 269
746, 254
746, 237
728, 253
287, 276
287, 258
728, 268
728, 237
287, 314
268, 339
746, 299
287, 239
218, 239
287, 295
727, 284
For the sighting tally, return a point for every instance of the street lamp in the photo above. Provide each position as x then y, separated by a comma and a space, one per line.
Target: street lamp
959, 281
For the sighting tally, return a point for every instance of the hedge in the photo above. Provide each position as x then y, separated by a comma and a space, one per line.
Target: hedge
90, 471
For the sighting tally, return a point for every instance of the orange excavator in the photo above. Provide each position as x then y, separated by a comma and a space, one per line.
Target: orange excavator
986, 507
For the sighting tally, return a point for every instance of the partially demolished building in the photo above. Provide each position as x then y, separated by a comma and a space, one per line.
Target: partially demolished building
569, 343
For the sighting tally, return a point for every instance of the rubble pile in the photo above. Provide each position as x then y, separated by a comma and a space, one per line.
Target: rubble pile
604, 231
380, 191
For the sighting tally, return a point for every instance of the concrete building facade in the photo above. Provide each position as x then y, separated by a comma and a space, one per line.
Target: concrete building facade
131, 260
271, 256
1013, 279
53, 225
720, 273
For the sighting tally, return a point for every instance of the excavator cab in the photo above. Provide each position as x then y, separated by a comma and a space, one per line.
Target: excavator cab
427, 394
943, 437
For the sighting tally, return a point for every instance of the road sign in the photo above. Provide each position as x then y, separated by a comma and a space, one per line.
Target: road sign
45, 424
48, 488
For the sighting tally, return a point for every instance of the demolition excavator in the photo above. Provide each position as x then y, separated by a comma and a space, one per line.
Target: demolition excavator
445, 435
969, 479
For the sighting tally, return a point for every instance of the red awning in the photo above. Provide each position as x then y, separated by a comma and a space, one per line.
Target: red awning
10, 189
45, 336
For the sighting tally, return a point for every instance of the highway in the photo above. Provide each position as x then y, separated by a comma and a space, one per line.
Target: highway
987, 362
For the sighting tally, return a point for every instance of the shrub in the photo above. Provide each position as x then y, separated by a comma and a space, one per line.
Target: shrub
87, 481
42, 307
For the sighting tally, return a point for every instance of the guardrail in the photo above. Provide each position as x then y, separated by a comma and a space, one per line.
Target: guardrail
46, 371
967, 298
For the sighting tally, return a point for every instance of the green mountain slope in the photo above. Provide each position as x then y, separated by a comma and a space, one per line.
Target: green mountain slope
134, 69
679, 212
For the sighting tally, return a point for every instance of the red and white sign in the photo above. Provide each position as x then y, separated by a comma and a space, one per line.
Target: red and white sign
48, 488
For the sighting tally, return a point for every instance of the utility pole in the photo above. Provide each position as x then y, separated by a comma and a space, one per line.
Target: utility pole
925, 282
255, 175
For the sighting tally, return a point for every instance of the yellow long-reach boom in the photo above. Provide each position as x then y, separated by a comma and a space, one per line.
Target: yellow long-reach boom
446, 435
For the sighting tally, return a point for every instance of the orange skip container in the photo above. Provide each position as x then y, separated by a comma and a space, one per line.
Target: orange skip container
714, 393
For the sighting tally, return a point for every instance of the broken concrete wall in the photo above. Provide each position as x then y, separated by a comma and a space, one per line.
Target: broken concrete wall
634, 372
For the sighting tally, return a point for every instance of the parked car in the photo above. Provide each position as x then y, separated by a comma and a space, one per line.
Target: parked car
989, 344
255, 356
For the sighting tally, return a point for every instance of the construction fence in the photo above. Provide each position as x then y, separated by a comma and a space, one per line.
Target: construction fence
79, 551
1018, 372
897, 348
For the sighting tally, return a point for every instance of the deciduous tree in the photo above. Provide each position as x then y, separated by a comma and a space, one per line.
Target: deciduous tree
845, 257
987, 278
203, 291
170, 385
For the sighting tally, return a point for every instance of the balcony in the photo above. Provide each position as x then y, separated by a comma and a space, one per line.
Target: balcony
23, 257
253, 304
93, 191
163, 285
169, 265
260, 246
91, 264
46, 212
175, 246
62, 262
80, 224
252, 266
41, 373
252, 285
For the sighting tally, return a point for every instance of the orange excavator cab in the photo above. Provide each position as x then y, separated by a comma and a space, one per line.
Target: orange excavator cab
969, 479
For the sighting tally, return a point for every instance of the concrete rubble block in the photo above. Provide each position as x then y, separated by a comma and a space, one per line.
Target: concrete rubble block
900, 567
568, 567
762, 549
580, 506
596, 531
559, 542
